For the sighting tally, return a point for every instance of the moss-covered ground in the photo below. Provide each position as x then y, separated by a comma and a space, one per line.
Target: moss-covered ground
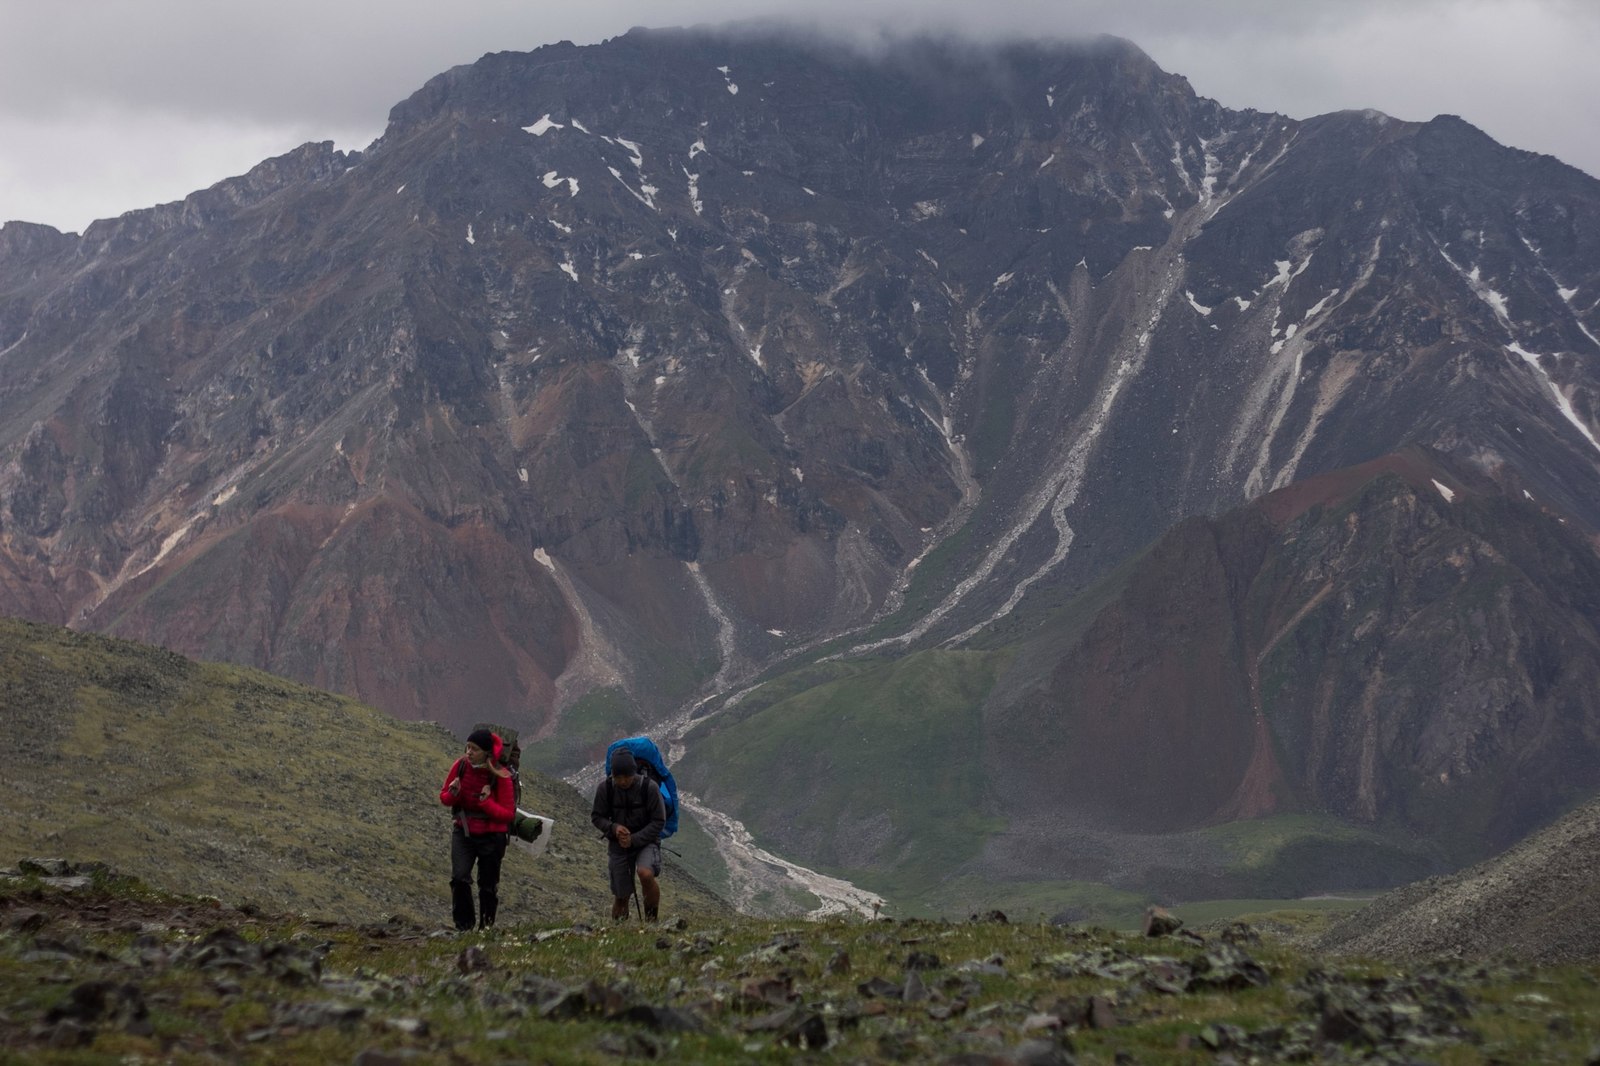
113, 971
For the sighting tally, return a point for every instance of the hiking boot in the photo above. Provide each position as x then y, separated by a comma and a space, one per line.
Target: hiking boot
650, 914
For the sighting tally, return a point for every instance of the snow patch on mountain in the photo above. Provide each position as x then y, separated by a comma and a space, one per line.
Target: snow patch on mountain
1474, 279
1562, 291
694, 191
1283, 379
1564, 404
1208, 183
634, 151
645, 194
1181, 166
552, 180
1316, 308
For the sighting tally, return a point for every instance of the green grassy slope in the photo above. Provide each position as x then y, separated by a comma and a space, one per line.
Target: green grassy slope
225, 781
867, 758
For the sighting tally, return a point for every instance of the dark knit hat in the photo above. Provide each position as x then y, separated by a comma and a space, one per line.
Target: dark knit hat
483, 738
622, 762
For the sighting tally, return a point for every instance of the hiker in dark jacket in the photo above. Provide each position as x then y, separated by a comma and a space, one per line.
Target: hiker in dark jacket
481, 793
629, 813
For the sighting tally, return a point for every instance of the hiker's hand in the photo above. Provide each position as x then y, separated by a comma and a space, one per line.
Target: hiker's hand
455, 787
624, 837
484, 794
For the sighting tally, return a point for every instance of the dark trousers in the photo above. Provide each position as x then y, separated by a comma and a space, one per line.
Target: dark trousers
487, 850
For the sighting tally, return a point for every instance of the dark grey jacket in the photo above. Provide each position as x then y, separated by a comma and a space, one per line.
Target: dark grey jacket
640, 808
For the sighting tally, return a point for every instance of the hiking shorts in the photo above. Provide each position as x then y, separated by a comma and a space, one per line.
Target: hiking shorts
623, 864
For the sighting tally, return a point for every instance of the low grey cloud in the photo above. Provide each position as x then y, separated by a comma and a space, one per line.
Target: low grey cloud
111, 105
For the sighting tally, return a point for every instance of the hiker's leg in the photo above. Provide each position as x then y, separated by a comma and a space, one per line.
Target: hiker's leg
619, 870
493, 853
649, 893
648, 866
461, 857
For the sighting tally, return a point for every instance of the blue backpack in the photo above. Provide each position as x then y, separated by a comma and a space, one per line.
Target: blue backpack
653, 766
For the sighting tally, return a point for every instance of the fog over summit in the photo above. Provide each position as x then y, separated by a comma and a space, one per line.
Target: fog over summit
181, 94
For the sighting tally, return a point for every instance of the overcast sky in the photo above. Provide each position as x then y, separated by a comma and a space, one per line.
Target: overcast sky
111, 105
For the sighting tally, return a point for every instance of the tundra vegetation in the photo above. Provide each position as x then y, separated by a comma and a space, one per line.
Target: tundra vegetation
96, 967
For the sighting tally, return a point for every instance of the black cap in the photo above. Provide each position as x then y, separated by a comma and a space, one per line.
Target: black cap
622, 762
483, 738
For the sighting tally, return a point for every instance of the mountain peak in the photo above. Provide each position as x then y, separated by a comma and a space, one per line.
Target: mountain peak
682, 67
20, 241
618, 376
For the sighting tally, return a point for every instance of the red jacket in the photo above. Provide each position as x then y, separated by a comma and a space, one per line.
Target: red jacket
485, 803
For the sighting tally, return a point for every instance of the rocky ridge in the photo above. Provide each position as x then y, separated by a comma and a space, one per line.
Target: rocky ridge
1530, 904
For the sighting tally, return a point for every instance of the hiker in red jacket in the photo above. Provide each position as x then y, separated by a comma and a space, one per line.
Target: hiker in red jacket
480, 792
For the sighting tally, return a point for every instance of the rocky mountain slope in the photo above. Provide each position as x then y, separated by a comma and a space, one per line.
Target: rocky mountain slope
1355, 680
1531, 904
227, 782
617, 371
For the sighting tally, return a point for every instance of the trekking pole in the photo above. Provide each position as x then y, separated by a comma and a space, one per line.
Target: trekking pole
638, 904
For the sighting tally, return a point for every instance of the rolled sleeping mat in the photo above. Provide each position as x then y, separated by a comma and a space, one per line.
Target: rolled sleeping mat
531, 832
